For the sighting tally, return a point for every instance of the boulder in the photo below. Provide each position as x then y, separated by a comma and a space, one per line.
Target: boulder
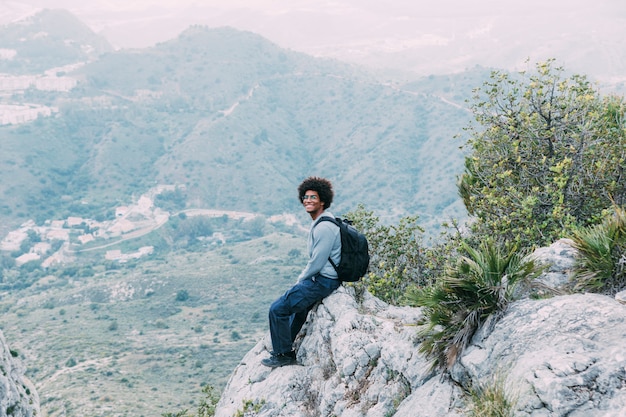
18, 397
358, 357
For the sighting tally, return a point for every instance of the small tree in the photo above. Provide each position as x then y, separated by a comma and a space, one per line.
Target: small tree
547, 154
182, 295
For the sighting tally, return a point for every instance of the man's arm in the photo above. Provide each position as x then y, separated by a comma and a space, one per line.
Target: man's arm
324, 236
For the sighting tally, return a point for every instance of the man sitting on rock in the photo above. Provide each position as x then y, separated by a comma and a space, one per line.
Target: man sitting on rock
318, 279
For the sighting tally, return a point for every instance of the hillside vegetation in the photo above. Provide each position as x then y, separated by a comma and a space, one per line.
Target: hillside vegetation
229, 115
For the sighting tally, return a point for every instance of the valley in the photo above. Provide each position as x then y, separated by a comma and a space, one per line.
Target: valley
141, 336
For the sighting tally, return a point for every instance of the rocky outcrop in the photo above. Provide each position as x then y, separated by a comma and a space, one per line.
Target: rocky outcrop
559, 356
564, 356
18, 397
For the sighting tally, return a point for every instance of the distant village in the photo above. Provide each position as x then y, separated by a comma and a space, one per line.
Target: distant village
73, 234
59, 241
51, 80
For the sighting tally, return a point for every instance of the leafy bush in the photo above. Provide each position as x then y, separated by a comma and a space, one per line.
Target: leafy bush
171, 200
184, 231
545, 158
481, 283
182, 295
601, 262
397, 256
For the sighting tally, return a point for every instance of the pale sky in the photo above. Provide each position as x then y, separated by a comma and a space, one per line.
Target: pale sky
421, 35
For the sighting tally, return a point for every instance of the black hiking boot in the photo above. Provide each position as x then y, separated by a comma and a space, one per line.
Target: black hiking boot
281, 359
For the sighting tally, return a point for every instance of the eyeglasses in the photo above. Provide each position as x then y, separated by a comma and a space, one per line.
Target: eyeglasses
309, 197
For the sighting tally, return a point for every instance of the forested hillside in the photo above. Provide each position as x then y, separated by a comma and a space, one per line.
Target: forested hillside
229, 115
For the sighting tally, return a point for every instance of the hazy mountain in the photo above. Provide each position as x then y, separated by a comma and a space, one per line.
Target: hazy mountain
420, 37
239, 122
51, 38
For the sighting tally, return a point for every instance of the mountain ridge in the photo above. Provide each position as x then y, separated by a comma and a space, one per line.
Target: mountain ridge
216, 101
50, 38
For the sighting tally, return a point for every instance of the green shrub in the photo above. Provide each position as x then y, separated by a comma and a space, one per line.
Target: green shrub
182, 295
545, 155
181, 413
601, 261
250, 408
209, 402
397, 255
481, 283
171, 200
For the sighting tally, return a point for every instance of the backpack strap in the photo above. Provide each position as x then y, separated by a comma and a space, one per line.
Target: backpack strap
336, 222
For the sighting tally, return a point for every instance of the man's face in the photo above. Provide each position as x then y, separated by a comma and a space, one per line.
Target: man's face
312, 204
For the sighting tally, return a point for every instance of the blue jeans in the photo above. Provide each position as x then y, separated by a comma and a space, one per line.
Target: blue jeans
288, 314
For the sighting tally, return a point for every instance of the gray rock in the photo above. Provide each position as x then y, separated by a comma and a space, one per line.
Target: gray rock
557, 357
563, 356
356, 360
18, 397
560, 260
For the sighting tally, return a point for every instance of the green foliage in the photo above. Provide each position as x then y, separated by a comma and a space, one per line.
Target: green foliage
6, 261
250, 408
546, 156
181, 413
491, 399
397, 255
294, 253
601, 262
255, 227
171, 200
182, 295
209, 402
183, 230
478, 285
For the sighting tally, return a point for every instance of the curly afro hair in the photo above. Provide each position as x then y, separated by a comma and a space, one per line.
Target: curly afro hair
322, 186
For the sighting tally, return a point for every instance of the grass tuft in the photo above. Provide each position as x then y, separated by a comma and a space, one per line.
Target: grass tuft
601, 262
491, 399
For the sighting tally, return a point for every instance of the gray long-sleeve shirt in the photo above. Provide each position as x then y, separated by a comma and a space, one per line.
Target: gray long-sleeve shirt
324, 241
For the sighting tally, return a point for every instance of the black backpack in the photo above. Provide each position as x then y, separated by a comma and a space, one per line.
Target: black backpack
355, 258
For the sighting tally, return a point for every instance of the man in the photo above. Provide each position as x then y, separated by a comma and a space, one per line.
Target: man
318, 279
